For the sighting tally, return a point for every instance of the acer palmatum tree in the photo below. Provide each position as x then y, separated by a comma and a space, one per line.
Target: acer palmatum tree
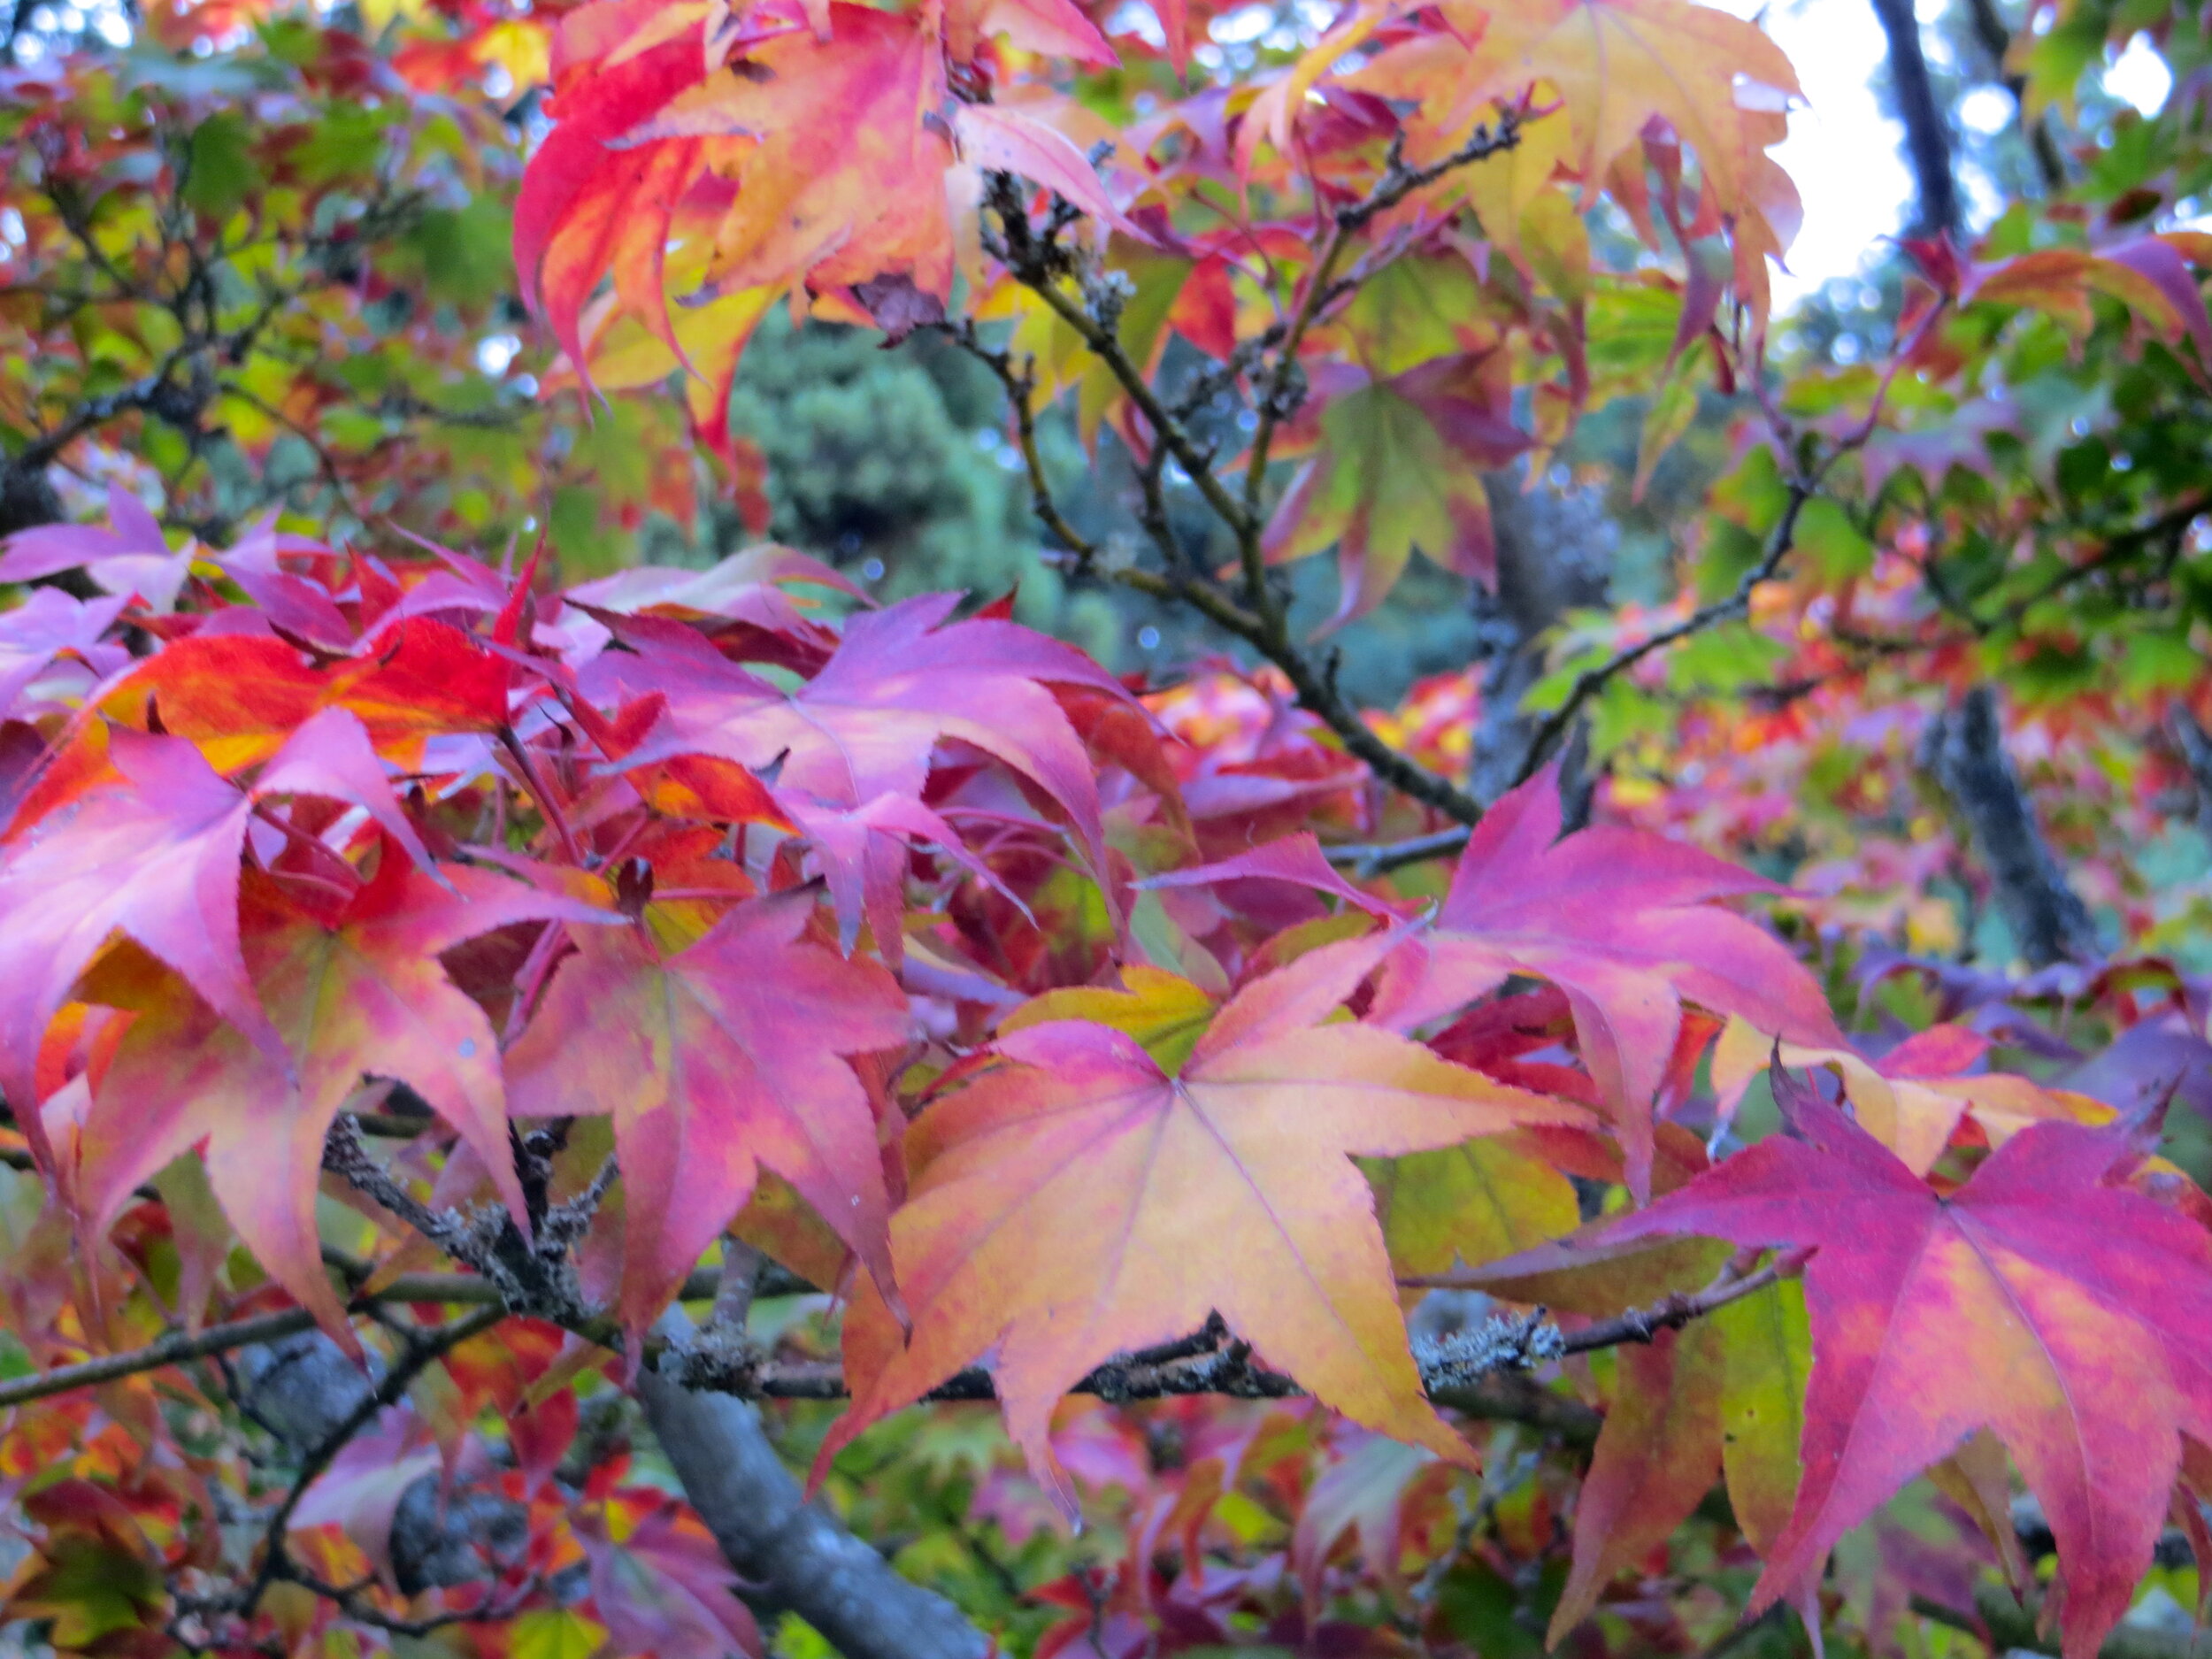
1389, 1223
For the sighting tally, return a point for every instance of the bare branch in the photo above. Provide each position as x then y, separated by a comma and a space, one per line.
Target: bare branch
794, 1555
1020, 385
1041, 264
1398, 181
1592, 681
170, 1350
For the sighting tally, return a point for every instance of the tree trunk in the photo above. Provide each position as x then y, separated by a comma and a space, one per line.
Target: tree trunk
1927, 135
1555, 551
1966, 749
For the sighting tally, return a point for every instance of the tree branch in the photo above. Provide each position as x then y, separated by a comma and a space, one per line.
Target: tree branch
1371, 859
1398, 181
793, 1554
1042, 264
1208, 1363
170, 1350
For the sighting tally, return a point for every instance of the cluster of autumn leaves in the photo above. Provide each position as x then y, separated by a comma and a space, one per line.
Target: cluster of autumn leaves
909, 916
708, 163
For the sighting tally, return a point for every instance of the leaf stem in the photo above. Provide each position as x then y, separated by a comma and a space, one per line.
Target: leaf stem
533, 780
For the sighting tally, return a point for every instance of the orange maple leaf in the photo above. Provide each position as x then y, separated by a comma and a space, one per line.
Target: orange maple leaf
1085, 1199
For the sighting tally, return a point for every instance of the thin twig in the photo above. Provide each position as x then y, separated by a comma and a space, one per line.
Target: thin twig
353, 1601
1397, 182
1592, 681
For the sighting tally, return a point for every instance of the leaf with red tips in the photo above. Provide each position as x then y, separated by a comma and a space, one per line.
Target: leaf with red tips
568, 213
2043, 1300
903, 680
354, 995
238, 696
428, 678
1622, 922
1079, 1201
716, 1060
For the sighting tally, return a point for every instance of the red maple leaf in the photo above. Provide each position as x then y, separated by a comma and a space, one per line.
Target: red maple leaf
716, 1060
2069, 1314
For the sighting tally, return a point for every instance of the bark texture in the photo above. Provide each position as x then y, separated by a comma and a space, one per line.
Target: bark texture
2049, 921
1555, 551
792, 1555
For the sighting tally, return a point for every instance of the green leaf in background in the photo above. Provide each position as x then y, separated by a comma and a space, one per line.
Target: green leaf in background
220, 171
1828, 540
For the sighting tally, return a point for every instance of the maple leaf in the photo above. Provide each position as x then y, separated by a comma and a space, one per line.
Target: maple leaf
1401, 468
1614, 66
843, 179
2149, 275
747, 587
904, 680
829, 154
586, 204
1374, 1490
2069, 1314
665, 1589
1082, 1199
1471, 1203
361, 1491
863, 855
49, 627
355, 993
1620, 920
1656, 1457
131, 556
239, 696
1914, 1097
834, 175
153, 852
715, 1061
1722, 1397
